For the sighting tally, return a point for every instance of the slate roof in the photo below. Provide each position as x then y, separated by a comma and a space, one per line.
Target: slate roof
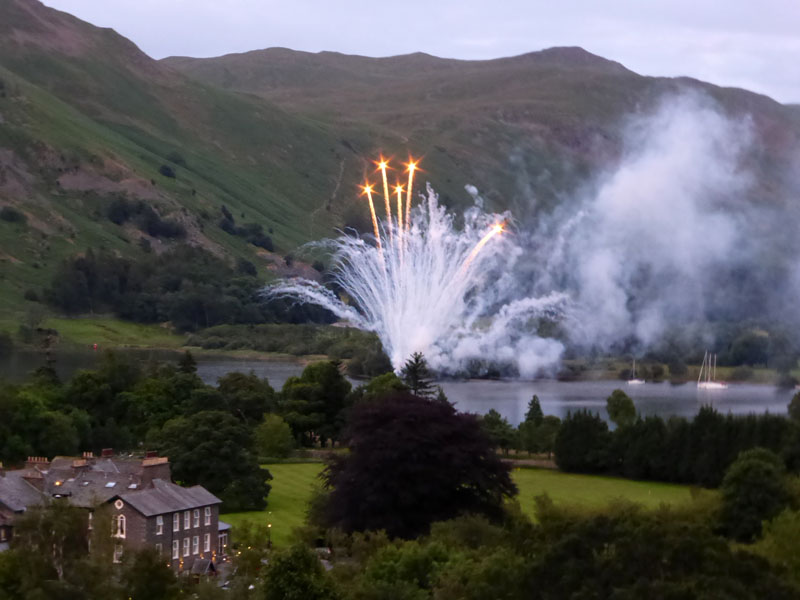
165, 497
16, 493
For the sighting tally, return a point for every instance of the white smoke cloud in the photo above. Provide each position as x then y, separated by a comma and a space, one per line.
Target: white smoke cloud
641, 251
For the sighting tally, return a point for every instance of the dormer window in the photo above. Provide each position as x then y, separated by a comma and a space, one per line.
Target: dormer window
111, 484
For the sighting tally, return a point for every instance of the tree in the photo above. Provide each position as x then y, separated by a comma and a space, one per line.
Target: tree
754, 489
417, 377
620, 408
382, 385
314, 404
296, 574
498, 429
273, 437
779, 542
546, 434
187, 363
212, 449
582, 443
534, 414
146, 576
794, 408
412, 462
246, 397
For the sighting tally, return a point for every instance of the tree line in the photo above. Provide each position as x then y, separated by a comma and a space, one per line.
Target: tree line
694, 451
186, 285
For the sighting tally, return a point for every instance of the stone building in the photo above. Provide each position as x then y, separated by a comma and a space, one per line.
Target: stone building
147, 508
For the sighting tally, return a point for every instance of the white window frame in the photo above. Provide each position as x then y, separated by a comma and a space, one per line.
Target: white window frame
196, 517
207, 542
186, 546
176, 522
207, 511
176, 549
117, 553
118, 526
159, 548
187, 519
159, 525
196, 544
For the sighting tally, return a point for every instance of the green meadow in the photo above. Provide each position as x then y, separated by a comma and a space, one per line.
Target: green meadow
293, 484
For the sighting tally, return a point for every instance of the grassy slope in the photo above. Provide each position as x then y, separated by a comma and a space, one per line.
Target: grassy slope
292, 487
110, 112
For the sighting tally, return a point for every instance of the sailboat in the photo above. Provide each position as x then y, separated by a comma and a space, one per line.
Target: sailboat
633, 380
709, 367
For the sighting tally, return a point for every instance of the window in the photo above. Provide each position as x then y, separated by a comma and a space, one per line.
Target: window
117, 553
207, 542
186, 546
118, 526
196, 544
2, 534
208, 515
176, 522
159, 525
196, 517
91, 518
187, 520
176, 551
158, 548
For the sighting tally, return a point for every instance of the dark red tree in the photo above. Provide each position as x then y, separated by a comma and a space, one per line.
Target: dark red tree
412, 462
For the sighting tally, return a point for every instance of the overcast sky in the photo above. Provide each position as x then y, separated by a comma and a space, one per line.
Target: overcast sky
754, 44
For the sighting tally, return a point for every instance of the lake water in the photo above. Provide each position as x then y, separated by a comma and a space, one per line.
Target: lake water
509, 397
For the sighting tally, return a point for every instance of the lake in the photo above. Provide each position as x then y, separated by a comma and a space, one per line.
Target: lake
509, 397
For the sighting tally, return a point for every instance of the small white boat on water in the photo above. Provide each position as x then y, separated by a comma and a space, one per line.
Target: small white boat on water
634, 380
709, 369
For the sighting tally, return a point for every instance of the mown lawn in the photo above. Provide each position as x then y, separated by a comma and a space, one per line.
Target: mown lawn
292, 487
592, 490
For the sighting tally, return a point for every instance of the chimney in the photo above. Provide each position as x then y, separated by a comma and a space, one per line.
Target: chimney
37, 462
156, 467
107, 453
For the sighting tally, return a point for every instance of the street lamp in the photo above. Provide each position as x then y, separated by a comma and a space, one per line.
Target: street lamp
269, 535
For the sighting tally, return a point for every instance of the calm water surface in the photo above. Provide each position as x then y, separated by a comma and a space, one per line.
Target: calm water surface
509, 397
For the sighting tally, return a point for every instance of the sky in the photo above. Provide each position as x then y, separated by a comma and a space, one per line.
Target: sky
742, 43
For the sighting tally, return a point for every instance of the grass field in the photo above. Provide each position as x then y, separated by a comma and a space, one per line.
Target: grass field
113, 333
292, 487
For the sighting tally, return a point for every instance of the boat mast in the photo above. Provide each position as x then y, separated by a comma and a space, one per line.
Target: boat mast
700, 375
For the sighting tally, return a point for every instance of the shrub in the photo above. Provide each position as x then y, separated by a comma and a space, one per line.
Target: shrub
31, 296
167, 171
12, 215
